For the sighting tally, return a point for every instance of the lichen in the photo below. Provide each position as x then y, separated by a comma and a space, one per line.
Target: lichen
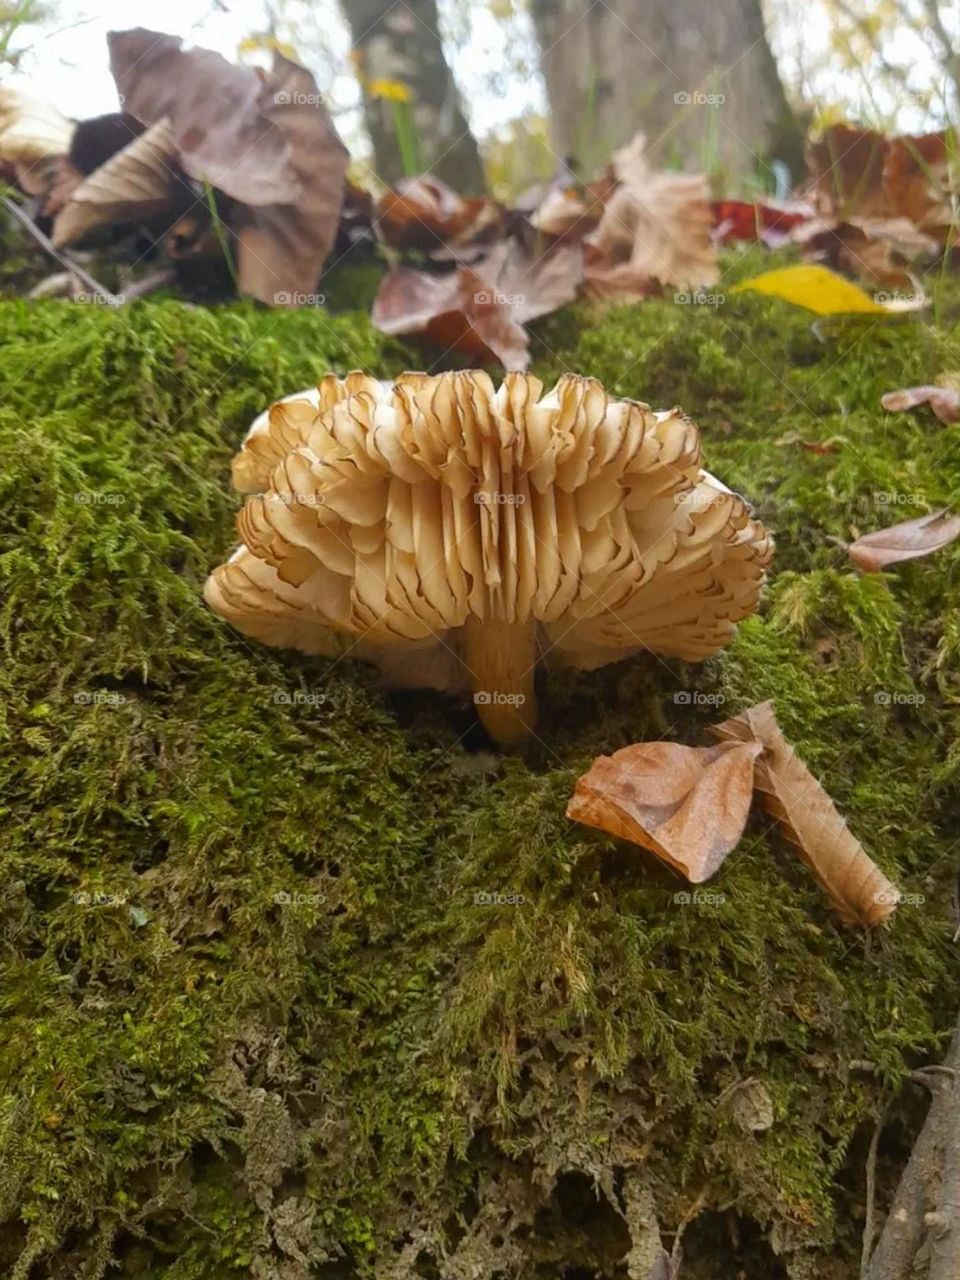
259, 1018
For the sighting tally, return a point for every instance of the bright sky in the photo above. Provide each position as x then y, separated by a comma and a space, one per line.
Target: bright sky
67, 60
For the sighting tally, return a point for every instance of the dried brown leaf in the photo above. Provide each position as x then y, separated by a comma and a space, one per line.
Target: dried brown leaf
906, 541
944, 401
134, 184
808, 818
480, 310
266, 140
282, 245
688, 805
655, 226
424, 213
860, 173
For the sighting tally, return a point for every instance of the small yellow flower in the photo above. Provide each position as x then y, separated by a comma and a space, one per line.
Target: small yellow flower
392, 90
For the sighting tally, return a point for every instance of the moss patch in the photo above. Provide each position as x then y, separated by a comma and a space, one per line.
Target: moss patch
258, 1021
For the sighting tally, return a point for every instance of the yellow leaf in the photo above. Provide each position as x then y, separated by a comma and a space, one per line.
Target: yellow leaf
816, 288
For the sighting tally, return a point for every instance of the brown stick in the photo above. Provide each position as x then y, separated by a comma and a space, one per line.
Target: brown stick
927, 1201
45, 243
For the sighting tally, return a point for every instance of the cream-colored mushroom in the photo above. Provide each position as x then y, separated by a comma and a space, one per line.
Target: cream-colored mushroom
457, 534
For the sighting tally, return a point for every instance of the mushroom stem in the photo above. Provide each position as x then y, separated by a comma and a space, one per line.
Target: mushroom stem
502, 657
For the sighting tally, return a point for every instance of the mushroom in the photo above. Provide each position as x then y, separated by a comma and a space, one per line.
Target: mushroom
457, 534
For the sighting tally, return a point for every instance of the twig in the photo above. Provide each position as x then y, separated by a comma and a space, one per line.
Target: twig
66, 262
870, 1217
146, 284
927, 1201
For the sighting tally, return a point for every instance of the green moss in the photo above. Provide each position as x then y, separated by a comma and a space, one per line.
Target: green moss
255, 1011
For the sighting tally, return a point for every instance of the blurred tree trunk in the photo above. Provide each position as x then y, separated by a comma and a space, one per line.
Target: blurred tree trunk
400, 45
696, 75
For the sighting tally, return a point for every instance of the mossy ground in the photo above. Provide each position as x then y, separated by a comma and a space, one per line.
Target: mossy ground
203, 1080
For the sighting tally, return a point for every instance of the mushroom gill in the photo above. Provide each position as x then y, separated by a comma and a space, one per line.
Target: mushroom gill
456, 534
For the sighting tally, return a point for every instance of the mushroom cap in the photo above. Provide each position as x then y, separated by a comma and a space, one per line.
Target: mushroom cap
387, 518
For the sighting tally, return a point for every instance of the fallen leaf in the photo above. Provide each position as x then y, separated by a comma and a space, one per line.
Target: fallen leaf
907, 541
860, 173
769, 223
688, 805
282, 245
808, 818
814, 287
424, 213
265, 140
480, 310
654, 226
134, 185
876, 257
944, 401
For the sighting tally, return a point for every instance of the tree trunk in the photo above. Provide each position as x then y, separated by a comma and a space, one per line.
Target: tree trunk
400, 44
698, 78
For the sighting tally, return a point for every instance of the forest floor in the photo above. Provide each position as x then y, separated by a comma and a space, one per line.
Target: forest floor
257, 1023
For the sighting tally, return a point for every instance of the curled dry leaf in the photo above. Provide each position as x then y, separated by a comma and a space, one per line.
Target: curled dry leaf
31, 129
654, 227
480, 310
424, 213
688, 805
265, 140
809, 819
944, 401
133, 185
909, 540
